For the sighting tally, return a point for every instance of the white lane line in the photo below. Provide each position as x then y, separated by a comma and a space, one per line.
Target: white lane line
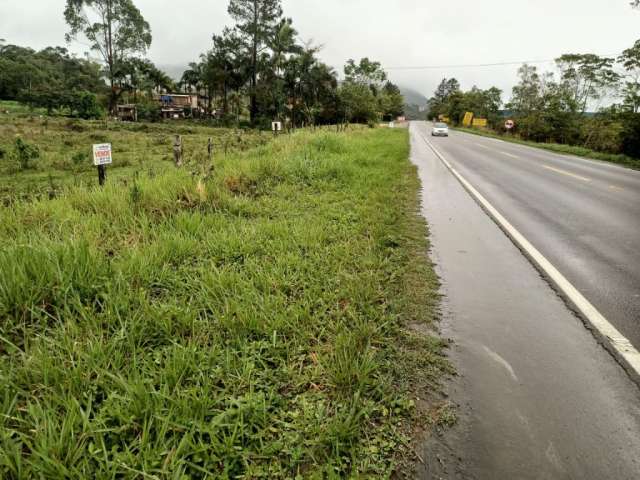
617, 344
483, 146
509, 154
615, 187
564, 172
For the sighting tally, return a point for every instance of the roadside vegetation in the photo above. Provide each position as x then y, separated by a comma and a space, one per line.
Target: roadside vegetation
559, 148
257, 320
569, 110
41, 156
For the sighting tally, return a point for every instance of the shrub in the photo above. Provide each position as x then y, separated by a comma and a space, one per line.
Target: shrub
602, 136
85, 105
149, 111
79, 158
26, 154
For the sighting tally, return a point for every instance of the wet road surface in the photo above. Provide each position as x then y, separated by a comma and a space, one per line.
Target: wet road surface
539, 398
583, 216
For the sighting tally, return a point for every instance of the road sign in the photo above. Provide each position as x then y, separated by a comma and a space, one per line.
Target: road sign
102, 154
480, 122
276, 126
468, 118
509, 124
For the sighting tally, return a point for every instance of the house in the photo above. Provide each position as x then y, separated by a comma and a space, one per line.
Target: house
127, 113
177, 105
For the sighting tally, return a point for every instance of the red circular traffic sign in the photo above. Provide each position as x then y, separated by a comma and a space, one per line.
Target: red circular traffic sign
509, 124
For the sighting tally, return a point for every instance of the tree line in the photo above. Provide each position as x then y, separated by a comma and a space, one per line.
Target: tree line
590, 101
256, 69
261, 59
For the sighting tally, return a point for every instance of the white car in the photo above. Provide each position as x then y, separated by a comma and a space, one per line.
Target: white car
440, 130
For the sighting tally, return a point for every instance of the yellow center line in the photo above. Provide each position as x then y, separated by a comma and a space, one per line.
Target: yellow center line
564, 172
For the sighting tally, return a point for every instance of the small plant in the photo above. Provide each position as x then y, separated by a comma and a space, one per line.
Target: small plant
79, 158
26, 154
3, 152
135, 194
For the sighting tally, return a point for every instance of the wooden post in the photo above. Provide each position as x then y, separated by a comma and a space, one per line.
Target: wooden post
177, 150
210, 152
102, 175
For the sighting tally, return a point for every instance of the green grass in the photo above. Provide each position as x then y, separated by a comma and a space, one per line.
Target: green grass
620, 159
65, 147
19, 108
254, 322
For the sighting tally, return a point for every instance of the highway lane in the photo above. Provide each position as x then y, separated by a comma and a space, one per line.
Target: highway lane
536, 396
583, 215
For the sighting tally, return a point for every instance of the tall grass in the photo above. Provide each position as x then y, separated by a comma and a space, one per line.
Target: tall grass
575, 150
251, 323
65, 156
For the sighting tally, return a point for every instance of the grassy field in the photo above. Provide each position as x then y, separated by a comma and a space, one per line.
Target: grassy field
258, 321
65, 149
563, 149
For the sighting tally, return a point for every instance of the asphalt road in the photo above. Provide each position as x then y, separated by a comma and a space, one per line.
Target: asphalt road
583, 215
537, 396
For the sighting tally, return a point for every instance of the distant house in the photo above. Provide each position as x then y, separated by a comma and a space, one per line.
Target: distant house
128, 113
178, 105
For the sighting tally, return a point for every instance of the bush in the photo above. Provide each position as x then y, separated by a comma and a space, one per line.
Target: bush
26, 153
602, 135
85, 105
630, 134
149, 112
80, 158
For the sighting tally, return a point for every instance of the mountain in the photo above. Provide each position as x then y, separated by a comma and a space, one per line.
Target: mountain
413, 97
415, 104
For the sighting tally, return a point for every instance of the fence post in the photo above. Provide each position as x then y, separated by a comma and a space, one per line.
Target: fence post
177, 150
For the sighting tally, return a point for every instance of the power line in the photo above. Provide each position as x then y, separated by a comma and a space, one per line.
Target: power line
477, 65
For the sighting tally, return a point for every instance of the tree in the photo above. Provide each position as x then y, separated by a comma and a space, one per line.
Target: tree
256, 21
391, 101
630, 60
358, 102
115, 28
366, 72
588, 76
438, 103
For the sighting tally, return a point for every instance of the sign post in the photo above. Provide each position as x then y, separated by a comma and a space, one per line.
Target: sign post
276, 127
102, 158
468, 119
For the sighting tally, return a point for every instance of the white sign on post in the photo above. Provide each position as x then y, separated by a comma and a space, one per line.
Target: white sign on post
102, 154
276, 126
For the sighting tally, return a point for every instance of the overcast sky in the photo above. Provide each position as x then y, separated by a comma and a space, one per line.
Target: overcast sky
400, 33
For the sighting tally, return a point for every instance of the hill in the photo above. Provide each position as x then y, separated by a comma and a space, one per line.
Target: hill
413, 97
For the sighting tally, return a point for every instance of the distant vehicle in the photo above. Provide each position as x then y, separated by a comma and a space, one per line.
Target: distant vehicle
440, 130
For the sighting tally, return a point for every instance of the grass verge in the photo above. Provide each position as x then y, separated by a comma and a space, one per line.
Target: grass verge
64, 151
262, 321
619, 159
